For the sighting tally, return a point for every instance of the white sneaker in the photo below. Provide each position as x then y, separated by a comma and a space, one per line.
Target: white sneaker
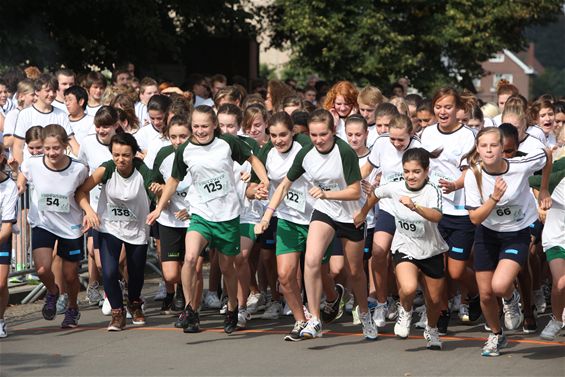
286, 310
161, 293
93, 295
106, 307
370, 330
312, 330
255, 302
3, 329
392, 308
273, 311
402, 326
355, 314
455, 303
464, 313
552, 329
423, 321
379, 314
62, 303
539, 301
513, 316
432, 336
212, 301
349, 304
242, 317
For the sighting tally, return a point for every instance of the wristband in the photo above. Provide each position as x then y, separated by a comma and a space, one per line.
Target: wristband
492, 197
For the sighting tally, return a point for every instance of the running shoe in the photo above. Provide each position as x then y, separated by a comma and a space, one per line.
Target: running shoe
3, 329
273, 311
212, 301
118, 321
539, 301
286, 310
161, 292
313, 329
331, 310
379, 314
224, 304
72, 315
443, 322
179, 303
402, 326
93, 295
422, 323
167, 305
349, 303
49, 310
392, 304
106, 307
494, 344
256, 302
370, 331
242, 317
552, 329
230, 321
530, 325
192, 321
185, 318
475, 310
513, 316
455, 303
136, 310
294, 334
355, 315
432, 336
464, 313
62, 303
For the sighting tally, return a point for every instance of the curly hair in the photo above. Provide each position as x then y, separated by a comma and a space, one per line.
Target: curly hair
345, 89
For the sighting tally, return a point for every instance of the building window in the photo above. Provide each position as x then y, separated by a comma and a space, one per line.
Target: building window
497, 58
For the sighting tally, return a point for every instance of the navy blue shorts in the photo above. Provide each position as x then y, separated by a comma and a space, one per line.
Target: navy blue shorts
342, 230
368, 249
95, 237
6, 252
492, 246
71, 250
459, 234
268, 239
385, 222
535, 230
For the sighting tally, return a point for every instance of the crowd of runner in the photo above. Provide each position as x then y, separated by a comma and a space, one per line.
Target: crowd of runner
309, 202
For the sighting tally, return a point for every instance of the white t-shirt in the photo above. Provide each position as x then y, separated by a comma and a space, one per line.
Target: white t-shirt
530, 144
10, 122
554, 229
8, 201
30, 117
91, 110
213, 194
93, 153
448, 164
147, 136
124, 203
203, 101
516, 209
82, 128
52, 204
142, 114
60, 105
373, 135
415, 236
251, 209
331, 171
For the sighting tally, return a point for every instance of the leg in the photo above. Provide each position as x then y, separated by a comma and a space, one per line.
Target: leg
407, 277
42, 258
489, 304
287, 266
70, 273
379, 260
557, 267
4, 271
353, 255
136, 256
243, 271
227, 266
110, 249
503, 278
195, 243
433, 290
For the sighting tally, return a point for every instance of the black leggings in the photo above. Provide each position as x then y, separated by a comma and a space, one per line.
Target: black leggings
136, 255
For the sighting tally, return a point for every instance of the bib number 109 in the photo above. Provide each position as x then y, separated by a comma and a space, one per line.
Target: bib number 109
411, 228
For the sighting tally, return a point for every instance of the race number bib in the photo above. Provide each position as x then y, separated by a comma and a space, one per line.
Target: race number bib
435, 177
295, 200
393, 177
410, 228
509, 213
213, 188
54, 203
329, 186
119, 213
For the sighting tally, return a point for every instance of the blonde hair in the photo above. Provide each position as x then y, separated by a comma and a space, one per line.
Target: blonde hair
400, 105
490, 110
473, 158
370, 96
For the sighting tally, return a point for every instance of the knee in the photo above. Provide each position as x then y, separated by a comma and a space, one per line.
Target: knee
312, 264
559, 284
380, 255
500, 288
190, 261
43, 271
455, 272
286, 277
408, 288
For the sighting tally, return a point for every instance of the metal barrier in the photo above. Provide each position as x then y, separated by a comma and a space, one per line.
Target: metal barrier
22, 258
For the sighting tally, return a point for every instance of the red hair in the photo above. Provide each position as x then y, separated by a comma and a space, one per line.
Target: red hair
342, 88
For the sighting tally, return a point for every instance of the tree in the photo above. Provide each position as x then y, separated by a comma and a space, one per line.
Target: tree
430, 42
76, 34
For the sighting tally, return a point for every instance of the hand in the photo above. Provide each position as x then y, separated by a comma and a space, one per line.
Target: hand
261, 227
408, 203
447, 186
13, 164
261, 193
153, 216
335, 115
542, 214
500, 187
366, 187
182, 215
156, 188
317, 193
140, 155
377, 180
544, 199
21, 187
359, 219
245, 176
90, 220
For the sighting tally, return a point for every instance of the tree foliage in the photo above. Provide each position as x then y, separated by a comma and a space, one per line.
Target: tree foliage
75, 33
379, 41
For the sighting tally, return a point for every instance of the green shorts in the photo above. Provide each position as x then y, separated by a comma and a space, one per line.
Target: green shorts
248, 231
555, 252
291, 238
222, 236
